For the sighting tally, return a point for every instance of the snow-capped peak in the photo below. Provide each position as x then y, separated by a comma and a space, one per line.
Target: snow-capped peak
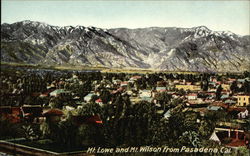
80, 27
202, 28
35, 23
201, 31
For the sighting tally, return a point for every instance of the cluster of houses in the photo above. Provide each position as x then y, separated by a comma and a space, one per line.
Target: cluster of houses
195, 98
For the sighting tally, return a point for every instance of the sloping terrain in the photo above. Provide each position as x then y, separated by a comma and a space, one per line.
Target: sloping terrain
189, 49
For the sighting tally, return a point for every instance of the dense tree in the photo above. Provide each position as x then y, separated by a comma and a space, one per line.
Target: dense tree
233, 87
105, 96
90, 109
246, 87
124, 123
218, 92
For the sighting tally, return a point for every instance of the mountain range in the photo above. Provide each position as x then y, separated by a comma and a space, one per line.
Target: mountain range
170, 48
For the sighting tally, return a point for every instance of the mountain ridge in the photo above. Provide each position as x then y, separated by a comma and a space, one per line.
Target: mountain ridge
170, 48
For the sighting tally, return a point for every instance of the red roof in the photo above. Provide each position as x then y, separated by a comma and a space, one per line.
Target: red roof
210, 93
124, 82
136, 77
192, 94
217, 103
11, 113
47, 92
94, 119
53, 112
218, 82
118, 90
230, 79
237, 143
98, 100
239, 109
89, 120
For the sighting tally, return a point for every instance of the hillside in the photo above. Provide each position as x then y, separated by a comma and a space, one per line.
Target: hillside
172, 49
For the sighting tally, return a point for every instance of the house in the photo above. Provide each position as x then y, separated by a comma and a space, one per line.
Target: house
241, 80
124, 84
236, 143
99, 101
88, 97
167, 115
160, 89
192, 96
243, 114
211, 95
145, 93
230, 102
236, 137
31, 113
12, 114
134, 78
213, 79
242, 100
189, 87
214, 108
148, 99
58, 92
224, 96
176, 81
234, 111
215, 137
230, 80
220, 104
188, 83
225, 86
47, 93
53, 115
196, 103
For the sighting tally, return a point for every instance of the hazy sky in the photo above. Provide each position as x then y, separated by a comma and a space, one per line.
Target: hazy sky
216, 15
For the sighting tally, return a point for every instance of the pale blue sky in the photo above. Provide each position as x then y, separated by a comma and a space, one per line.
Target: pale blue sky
216, 15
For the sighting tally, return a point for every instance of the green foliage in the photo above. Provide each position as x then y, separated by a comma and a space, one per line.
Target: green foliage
163, 99
218, 92
105, 96
241, 151
31, 132
68, 135
234, 88
90, 109
124, 123
56, 103
206, 128
190, 139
